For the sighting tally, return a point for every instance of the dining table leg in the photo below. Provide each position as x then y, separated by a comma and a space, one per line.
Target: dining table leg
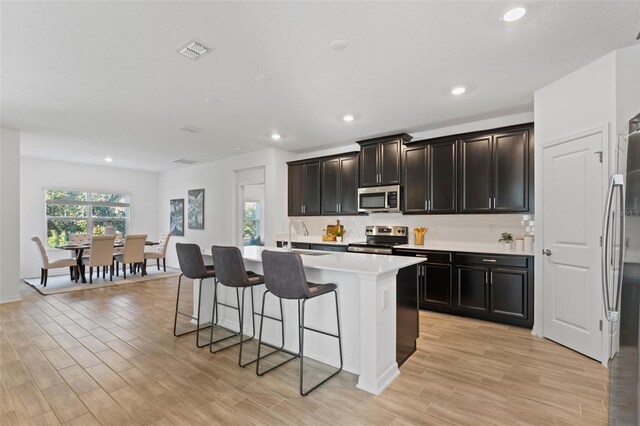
79, 253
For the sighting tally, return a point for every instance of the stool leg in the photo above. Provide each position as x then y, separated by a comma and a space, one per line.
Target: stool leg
276, 350
239, 308
253, 333
198, 319
175, 320
338, 336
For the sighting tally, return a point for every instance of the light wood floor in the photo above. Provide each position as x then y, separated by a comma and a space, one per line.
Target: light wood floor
107, 356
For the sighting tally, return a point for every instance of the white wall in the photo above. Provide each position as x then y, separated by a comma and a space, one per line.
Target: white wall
218, 180
604, 93
36, 175
9, 215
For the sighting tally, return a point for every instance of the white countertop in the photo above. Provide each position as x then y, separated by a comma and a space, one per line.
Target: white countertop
466, 247
356, 263
459, 246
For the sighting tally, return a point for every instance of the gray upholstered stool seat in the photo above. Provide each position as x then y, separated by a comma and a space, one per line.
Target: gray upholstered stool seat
285, 278
192, 266
230, 272
318, 289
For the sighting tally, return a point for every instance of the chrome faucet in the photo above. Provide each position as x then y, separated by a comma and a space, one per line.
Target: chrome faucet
304, 227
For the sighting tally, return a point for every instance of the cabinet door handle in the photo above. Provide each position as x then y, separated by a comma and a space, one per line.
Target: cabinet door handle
422, 255
486, 277
426, 205
303, 208
489, 203
494, 203
491, 277
489, 260
429, 205
337, 208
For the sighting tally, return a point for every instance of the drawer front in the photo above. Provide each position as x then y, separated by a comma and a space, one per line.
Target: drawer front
492, 260
429, 256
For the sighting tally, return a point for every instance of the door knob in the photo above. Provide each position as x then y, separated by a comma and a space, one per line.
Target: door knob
546, 252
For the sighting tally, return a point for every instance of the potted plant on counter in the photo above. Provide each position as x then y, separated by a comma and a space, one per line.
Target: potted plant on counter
506, 239
339, 234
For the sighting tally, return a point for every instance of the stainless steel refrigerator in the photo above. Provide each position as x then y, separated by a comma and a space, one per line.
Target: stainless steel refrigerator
621, 281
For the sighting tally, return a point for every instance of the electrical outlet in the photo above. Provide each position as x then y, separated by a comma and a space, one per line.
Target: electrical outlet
492, 227
385, 299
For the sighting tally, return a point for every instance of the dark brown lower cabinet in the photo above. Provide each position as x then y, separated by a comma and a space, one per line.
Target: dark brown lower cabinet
495, 287
472, 289
486, 286
435, 288
508, 292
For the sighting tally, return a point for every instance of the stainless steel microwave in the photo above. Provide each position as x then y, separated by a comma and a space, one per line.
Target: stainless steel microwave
379, 199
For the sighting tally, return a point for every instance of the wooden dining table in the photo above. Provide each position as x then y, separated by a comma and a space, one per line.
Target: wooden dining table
79, 249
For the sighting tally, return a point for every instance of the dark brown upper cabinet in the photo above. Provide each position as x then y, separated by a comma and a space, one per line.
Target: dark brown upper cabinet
430, 177
304, 188
495, 171
380, 160
476, 194
340, 185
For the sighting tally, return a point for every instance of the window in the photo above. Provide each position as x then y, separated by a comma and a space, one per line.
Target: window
70, 212
251, 223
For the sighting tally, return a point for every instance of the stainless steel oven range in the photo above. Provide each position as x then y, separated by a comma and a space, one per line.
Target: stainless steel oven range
381, 239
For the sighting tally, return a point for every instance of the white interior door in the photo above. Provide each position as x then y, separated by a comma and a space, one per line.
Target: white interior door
572, 204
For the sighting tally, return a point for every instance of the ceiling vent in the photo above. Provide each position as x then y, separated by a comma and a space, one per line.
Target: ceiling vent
193, 49
191, 129
184, 161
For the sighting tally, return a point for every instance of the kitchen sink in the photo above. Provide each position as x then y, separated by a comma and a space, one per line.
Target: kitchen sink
311, 253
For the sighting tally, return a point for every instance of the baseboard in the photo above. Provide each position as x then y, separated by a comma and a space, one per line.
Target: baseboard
10, 299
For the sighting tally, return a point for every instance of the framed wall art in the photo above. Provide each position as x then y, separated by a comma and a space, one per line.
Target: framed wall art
196, 209
176, 217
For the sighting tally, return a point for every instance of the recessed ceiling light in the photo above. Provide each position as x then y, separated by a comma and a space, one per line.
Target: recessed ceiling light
458, 90
275, 136
348, 118
263, 78
514, 14
339, 45
108, 159
212, 100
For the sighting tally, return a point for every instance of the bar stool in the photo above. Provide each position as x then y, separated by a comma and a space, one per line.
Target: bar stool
230, 272
192, 266
285, 278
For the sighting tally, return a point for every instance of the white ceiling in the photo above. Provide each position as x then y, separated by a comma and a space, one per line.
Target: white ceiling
85, 80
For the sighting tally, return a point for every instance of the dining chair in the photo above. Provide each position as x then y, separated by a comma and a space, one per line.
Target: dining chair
80, 238
133, 254
101, 255
161, 252
47, 264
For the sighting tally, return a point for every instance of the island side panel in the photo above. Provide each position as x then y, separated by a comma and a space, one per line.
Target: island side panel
408, 317
378, 367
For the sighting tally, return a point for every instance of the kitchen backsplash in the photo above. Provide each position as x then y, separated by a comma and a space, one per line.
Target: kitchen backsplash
481, 228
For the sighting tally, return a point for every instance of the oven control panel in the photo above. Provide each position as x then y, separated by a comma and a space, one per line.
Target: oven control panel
399, 231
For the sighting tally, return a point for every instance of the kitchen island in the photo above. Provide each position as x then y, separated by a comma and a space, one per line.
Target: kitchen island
368, 311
